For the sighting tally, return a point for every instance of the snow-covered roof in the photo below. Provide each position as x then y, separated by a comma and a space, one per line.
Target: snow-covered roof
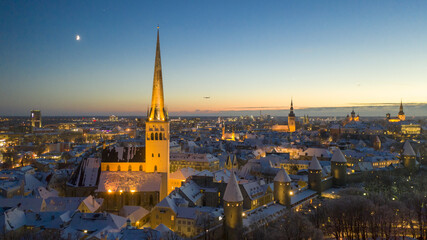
91, 203
31, 183
93, 222
282, 176
318, 152
134, 213
306, 194
168, 202
13, 219
232, 191
137, 234
408, 150
44, 193
86, 174
192, 191
338, 156
32, 204
254, 189
183, 173
205, 173
222, 175
314, 164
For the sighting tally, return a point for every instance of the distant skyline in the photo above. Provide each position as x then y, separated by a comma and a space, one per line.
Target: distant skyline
97, 57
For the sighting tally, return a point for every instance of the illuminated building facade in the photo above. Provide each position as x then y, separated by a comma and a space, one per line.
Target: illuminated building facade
197, 161
228, 136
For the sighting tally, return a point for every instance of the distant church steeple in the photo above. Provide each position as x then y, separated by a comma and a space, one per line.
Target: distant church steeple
291, 119
291, 113
401, 114
157, 110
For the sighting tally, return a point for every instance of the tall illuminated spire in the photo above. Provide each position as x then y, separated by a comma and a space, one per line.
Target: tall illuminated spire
157, 110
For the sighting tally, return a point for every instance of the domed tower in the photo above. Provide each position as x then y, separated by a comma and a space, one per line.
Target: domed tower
401, 114
353, 115
408, 156
282, 188
315, 175
339, 168
291, 119
233, 209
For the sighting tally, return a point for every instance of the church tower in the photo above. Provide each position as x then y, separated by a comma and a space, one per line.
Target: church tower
282, 188
157, 129
233, 209
401, 114
291, 119
315, 175
339, 168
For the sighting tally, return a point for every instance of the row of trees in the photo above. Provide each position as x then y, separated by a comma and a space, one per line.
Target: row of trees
394, 205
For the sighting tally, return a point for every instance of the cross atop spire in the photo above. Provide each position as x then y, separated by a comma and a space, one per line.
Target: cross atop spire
157, 110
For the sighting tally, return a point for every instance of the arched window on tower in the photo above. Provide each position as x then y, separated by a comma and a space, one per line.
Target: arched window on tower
108, 168
155, 168
152, 136
140, 168
157, 136
160, 136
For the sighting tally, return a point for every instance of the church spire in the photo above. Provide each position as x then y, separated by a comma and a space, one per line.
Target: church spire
401, 108
157, 110
292, 109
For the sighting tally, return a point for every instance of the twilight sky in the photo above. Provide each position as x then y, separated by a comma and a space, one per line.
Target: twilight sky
245, 55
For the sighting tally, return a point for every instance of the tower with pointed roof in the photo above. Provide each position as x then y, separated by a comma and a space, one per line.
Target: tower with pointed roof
315, 175
157, 128
401, 114
282, 188
408, 156
339, 168
233, 209
291, 119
